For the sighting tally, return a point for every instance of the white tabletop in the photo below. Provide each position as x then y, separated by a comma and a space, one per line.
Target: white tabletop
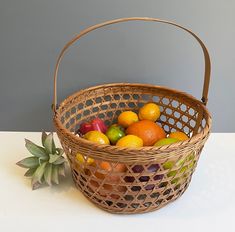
207, 205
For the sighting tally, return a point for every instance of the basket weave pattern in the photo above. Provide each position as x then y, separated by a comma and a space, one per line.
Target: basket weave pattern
153, 177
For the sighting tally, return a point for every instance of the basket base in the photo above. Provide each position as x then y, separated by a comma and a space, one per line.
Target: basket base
137, 210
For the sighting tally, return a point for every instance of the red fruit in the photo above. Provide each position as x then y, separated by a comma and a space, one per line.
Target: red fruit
99, 125
96, 124
85, 127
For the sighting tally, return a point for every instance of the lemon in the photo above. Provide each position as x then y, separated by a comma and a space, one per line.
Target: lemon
178, 135
130, 141
82, 160
97, 137
126, 118
149, 111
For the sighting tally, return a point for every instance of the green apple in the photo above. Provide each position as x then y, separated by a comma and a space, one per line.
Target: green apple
114, 133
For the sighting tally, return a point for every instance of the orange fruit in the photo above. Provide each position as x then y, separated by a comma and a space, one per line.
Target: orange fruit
97, 137
126, 118
111, 179
149, 111
178, 135
107, 167
117, 168
148, 131
130, 141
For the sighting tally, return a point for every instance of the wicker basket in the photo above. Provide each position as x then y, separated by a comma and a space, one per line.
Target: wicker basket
152, 177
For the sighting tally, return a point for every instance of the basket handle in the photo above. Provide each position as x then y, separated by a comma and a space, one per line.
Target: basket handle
204, 98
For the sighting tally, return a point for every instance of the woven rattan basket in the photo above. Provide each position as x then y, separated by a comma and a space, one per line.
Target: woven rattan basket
152, 177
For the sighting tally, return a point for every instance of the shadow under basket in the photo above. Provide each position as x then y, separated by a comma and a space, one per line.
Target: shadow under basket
132, 180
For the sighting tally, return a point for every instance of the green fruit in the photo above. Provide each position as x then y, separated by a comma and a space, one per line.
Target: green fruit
166, 141
191, 156
119, 126
114, 133
180, 162
168, 165
192, 164
183, 169
172, 173
175, 180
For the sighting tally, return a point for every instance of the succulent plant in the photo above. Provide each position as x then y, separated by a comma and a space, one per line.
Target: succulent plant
46, 163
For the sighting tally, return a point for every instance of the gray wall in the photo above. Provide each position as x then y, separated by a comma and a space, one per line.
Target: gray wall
34, 31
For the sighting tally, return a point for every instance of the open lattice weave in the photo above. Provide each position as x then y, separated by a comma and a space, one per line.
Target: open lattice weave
150, 177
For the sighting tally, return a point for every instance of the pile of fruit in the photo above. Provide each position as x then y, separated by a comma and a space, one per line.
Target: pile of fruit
132, 130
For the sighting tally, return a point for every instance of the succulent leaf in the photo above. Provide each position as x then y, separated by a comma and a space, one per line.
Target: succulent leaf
47, 174
61, 169
54, 176
46, 164
44, 135
53, 158
30, 172
49, 144
35, 150
37, 176
59, 151
35, 185
60, 160
29, 162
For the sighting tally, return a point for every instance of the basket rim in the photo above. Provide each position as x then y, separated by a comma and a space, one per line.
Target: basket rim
81, 141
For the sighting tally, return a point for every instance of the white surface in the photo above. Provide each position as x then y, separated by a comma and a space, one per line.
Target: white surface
207, 205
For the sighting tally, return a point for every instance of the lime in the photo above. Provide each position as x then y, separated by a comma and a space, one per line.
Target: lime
114, 133
166, 141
